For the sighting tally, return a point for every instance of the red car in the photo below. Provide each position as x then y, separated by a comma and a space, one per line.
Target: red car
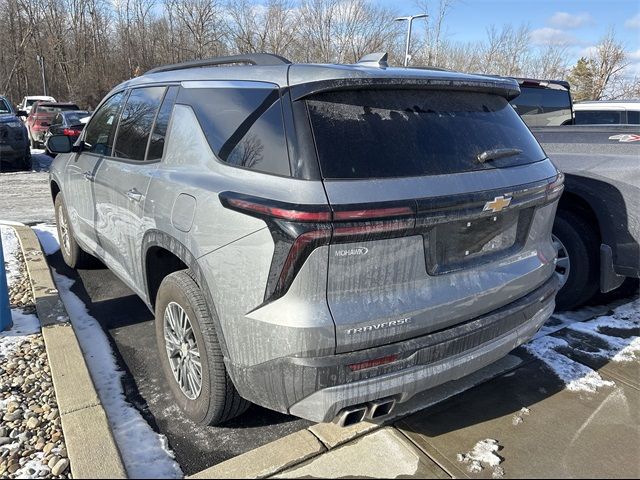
40, 118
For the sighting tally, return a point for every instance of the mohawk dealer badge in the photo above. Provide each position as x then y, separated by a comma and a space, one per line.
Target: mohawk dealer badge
349, 252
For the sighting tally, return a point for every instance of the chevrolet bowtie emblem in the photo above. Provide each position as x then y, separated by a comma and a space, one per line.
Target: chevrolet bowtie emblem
497, 204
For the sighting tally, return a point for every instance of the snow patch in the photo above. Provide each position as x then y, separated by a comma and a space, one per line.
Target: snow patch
11, 249
624, 348
484, 453
145, 453
576, 376
24, 326
48, 236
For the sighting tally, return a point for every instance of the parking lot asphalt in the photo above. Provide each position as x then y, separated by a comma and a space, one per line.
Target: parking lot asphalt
130, 327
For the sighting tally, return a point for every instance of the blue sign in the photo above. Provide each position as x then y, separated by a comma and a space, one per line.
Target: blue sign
5, 311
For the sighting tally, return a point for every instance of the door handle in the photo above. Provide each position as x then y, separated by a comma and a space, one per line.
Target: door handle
89, 176
134, 195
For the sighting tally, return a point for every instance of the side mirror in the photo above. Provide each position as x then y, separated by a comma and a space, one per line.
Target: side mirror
59, 144
21, 113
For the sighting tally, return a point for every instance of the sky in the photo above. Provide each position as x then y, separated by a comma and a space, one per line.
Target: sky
576, 23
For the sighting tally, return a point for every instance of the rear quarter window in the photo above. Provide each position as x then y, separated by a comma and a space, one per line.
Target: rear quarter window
244, 126
404, 133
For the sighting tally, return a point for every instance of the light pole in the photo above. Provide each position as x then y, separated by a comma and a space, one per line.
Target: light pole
44, 78
409, 19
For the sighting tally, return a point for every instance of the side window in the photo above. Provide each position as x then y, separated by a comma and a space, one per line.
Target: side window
156, 143
633, 117
101, 129
244, 126
136, 122
57, 120
598, 117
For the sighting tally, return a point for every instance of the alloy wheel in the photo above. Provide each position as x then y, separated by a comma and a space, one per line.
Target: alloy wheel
182, 350
563, 265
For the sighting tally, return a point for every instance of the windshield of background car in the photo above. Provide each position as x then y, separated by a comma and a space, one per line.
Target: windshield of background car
403, 133
543, 107
4, 106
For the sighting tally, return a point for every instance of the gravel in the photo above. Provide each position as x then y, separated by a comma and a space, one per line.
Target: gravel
31, 438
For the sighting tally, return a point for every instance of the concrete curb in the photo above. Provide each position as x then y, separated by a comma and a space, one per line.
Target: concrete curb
91, 447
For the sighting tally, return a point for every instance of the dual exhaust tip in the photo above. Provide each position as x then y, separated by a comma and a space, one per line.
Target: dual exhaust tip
372, 410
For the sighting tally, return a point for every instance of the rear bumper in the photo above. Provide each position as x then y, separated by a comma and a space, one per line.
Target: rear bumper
319, 388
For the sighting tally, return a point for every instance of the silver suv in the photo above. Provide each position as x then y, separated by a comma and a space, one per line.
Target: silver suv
322, 240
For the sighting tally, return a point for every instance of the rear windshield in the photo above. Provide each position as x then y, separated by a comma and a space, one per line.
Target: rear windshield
406, 133
74, 118
55, 108
543, 107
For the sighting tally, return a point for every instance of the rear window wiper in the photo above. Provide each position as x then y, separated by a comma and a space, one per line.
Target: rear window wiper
497, 153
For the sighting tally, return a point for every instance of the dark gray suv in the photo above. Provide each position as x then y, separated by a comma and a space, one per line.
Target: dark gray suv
14, 140
322, 240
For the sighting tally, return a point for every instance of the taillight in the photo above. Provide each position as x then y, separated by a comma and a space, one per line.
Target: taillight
298, 230
70, 132
554, 189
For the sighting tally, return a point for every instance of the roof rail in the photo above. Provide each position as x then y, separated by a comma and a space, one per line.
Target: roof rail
260, 59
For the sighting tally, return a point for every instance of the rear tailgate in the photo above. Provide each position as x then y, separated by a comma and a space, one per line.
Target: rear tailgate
424, 235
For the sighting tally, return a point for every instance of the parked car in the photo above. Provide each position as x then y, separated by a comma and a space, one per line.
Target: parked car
608, 113
597, 228
322, 240
27, 102
544, 103
67, 123
14, 143
38, 121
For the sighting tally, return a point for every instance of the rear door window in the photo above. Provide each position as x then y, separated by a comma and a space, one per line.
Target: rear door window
101, 129
633, 117
244, 126
406, 133
136, 122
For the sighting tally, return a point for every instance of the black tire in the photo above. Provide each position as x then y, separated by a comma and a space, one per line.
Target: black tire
218, 400
27, 163
72, 253
581, 240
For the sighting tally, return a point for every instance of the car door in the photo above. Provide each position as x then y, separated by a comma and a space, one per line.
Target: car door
97, 141
122, 182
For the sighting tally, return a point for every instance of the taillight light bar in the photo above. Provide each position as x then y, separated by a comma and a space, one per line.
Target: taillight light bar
316, 214
555, 188
276, 212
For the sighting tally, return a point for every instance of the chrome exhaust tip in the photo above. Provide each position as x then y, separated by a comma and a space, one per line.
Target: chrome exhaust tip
351, 416
381, 408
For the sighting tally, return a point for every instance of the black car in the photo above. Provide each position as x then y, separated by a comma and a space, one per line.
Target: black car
67, 123
14, 140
